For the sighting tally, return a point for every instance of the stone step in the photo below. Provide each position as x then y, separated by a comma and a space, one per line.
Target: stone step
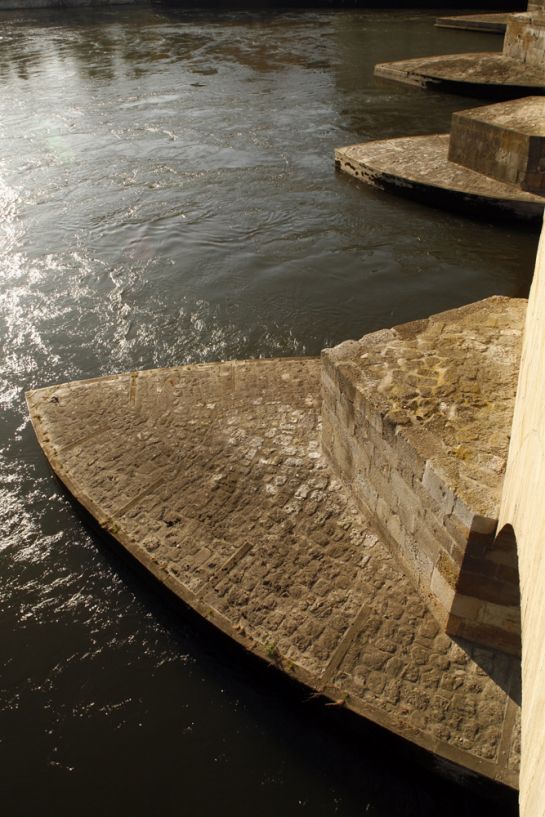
211, 476
416, 421
505, 141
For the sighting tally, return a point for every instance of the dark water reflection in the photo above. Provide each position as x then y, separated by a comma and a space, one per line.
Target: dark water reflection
167, 194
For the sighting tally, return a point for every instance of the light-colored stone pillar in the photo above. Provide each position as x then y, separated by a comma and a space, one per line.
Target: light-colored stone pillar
525, 38
523, 508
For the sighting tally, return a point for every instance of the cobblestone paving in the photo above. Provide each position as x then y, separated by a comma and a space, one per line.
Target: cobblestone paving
212, 477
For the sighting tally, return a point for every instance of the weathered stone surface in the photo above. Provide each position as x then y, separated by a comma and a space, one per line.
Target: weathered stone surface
416, 423
212, 477
505, 142
481, 74
490, 23
525, 40
518, 71
419, 166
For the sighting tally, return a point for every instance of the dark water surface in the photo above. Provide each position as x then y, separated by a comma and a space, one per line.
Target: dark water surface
167, 194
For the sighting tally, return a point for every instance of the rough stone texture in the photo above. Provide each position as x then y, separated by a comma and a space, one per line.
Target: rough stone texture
419, 166
505, 142
519, 70
522, 513
479, 73
212, 477
416, 423
490, 23
525, 39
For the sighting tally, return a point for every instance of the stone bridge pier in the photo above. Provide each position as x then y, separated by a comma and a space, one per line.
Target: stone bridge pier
522, 516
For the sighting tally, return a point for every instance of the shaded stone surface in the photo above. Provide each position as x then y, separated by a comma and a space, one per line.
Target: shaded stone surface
212, 477
490, 23
416, 422
419, 166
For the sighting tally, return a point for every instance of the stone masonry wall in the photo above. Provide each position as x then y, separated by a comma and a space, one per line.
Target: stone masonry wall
503, 142
525, 39
420, 434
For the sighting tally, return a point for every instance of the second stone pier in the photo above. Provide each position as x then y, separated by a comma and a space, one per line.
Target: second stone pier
492, 163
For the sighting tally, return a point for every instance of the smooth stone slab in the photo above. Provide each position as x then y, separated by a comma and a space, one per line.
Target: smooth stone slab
489, 23
505, 141
211, 476
418, 167
479, 74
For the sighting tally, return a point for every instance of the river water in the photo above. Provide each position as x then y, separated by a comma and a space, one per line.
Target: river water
168, 194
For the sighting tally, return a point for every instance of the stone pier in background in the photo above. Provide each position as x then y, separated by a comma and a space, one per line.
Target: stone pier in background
518, 70
492, 23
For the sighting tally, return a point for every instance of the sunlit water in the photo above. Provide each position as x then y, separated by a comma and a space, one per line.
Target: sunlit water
167, 194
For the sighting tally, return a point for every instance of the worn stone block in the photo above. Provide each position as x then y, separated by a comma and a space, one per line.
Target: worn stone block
437, 488
405, 427
525, 38
505, 142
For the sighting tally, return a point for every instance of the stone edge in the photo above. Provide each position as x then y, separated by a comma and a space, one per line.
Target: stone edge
407, 71
527, 206
486, 23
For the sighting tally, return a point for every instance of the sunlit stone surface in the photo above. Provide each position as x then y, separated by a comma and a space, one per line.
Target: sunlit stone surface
491, 163
416, 422
419, 166
212, 477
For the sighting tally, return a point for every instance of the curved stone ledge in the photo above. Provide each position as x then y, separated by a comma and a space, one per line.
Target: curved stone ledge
494, 23
480, 74
418, 166
212, 477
